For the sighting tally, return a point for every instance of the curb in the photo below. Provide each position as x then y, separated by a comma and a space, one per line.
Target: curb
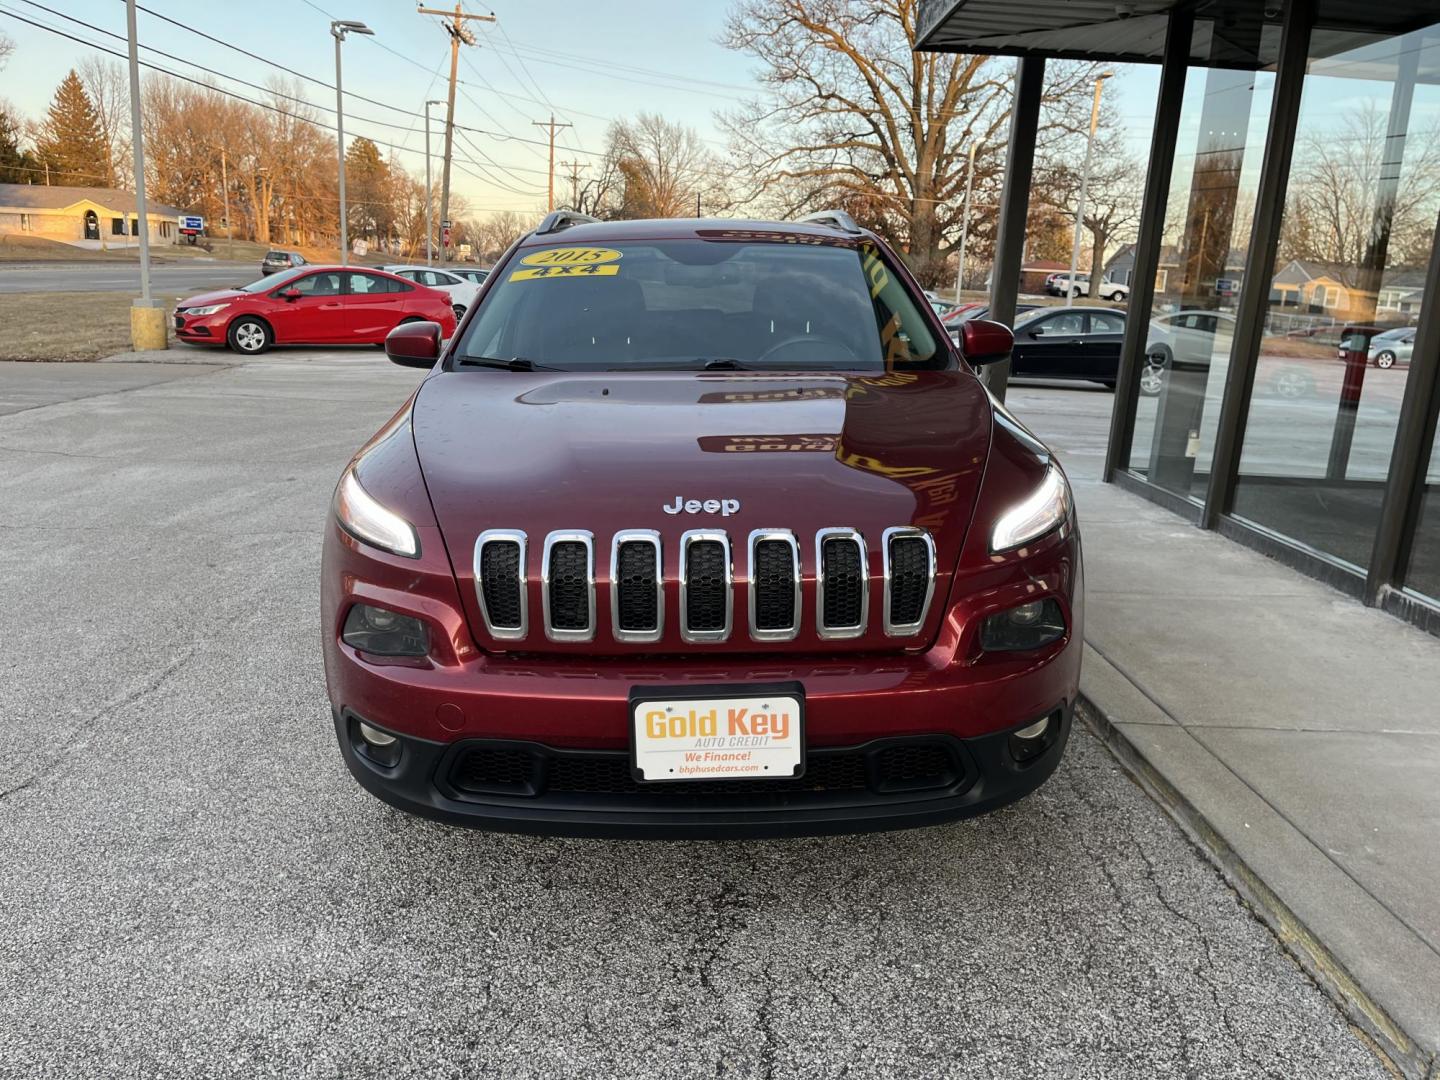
1405, 1056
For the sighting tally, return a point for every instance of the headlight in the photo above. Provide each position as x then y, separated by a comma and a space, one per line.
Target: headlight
365, 519
1028, 626
384, 632
210, 309
1047, 508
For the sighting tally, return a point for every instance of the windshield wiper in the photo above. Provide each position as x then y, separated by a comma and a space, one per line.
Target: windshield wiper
723, 363
514, 363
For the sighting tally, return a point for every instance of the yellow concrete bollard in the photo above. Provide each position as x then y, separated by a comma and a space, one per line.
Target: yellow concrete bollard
148, 327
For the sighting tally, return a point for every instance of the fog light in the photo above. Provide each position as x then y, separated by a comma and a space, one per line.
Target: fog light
1031, 741
1027, 626
1034, 731
377, 738
383, 632
370, 742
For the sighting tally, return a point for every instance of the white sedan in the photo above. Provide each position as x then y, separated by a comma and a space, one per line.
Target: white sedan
462, 293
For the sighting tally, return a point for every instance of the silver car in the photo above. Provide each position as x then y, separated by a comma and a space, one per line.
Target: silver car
1392, 347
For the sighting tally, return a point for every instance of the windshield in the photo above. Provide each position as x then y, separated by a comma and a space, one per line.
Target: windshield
692, 303
274, 281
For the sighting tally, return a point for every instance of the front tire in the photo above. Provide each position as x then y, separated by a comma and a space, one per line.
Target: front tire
1385, 359
249, 336
459, 310
1076, 293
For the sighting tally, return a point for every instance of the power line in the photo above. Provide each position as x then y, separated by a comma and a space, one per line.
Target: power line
253, 56
230, 93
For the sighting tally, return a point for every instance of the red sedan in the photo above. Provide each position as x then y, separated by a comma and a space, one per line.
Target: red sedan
310, 305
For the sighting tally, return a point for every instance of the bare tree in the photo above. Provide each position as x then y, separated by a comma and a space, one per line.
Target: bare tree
7, 49
498, 231
1112, 195
663, 168
1345, 205
855, 117
109, 89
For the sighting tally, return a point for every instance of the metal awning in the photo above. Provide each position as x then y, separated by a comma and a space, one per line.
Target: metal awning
1228, 33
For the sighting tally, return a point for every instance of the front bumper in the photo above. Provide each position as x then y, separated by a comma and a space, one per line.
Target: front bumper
527, 787
563, 707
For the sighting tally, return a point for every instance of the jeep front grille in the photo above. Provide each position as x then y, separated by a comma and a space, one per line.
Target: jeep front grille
705, 586
842, 600
637, 589
909, 579
567, 583
500, 583
770, 571
774, 585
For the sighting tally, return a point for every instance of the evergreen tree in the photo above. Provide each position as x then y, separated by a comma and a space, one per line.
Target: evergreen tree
367, 184
17, 166
70, 141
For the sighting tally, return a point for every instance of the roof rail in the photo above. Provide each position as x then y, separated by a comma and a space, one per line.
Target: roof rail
563, 219
836, 219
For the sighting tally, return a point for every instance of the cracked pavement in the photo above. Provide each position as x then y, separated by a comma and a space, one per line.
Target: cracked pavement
193, 885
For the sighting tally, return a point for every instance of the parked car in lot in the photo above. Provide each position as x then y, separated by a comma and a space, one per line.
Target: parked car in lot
1391, 347
461, 291
1079, 285
275, 261
1185, 339
1081, 343
589, 581
982, 311
312, 305
469, 273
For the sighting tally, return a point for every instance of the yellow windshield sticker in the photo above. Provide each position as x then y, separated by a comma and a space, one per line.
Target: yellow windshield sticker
592, 270
571, 256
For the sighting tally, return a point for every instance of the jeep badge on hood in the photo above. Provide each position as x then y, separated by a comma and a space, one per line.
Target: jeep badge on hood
723, 507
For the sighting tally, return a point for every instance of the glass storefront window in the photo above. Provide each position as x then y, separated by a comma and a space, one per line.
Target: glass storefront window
1347, 286
1202, 258
1423, 573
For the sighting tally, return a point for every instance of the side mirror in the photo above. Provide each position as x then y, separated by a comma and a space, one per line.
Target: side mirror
414, 344
289, 294
985, 342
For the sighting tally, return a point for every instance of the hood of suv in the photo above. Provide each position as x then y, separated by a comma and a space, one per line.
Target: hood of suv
678, 451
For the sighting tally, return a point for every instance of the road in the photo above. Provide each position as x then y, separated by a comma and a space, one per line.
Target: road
194, 886
168, 280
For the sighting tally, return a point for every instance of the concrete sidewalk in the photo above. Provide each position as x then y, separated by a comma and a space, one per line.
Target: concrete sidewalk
1294, 734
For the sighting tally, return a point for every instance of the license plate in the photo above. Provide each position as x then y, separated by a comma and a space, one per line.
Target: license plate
717, 733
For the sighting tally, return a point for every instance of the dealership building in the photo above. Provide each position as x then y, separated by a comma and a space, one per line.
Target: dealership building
1278, 381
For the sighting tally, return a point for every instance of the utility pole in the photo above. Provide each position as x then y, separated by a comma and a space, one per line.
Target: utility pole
1084, 186
458, 33
225, 193
574, 168
965, 222
552, 127
147, 317
429, 190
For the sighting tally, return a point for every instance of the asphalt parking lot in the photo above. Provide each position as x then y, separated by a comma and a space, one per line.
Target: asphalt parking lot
193, 885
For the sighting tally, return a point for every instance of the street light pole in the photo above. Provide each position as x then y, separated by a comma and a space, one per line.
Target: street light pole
429, 188
338, 29
965, 222
1084, 189
147, 318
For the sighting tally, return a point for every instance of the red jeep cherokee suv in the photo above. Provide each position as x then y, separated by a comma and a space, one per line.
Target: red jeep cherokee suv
701, 529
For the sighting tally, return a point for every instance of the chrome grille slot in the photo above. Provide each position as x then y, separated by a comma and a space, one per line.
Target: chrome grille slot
499, 568
774, 585
842, 596
567, 585
909, 580
705, 586
637, 592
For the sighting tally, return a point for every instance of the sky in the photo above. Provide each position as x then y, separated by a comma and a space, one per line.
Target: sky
587, 62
